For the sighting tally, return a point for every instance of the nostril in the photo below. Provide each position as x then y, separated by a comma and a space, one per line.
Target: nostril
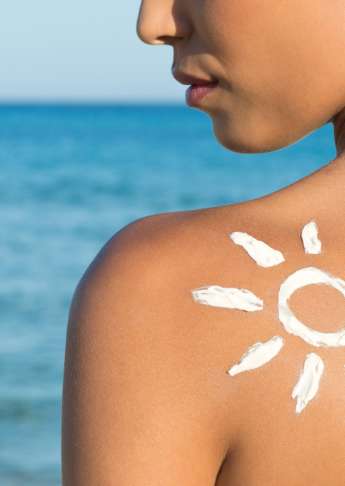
164, 39
167, 39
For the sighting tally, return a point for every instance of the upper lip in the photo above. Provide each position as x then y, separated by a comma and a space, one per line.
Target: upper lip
185, 78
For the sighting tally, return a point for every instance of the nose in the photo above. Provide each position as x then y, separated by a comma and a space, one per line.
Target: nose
160, 22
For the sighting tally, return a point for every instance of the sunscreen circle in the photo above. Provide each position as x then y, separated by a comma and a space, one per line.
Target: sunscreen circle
297, 280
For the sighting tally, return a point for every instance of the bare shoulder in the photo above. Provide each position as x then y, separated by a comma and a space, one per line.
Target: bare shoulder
146, 370
157, 249
143, 396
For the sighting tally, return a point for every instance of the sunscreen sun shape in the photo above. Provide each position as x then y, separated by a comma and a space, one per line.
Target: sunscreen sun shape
263, 254
231, 298
257, 355
308, 384
260, 353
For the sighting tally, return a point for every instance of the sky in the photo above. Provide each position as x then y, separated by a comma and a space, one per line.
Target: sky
81, 50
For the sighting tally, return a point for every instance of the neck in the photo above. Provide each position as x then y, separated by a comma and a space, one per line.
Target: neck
322, 192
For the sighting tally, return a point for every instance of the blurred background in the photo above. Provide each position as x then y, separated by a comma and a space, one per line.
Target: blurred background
94, 133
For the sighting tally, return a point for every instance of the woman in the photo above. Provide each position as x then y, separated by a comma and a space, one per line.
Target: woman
160, 390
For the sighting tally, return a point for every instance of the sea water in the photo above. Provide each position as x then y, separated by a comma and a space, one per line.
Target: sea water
71, 177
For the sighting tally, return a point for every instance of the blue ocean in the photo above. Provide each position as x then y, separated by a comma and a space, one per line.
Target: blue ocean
72, 176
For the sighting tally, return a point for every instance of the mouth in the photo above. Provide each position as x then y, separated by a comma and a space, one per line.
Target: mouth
199, 87
196, 93
185, 78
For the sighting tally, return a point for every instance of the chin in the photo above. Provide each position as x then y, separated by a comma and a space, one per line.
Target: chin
260, 139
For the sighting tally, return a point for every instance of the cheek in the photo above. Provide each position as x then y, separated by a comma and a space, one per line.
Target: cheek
230, 23
239, 36
277, 70
268, 55
259, 46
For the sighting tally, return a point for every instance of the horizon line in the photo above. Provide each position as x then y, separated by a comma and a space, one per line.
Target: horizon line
95, 101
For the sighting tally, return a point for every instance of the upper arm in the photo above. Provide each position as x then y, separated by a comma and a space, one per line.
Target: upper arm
132, 414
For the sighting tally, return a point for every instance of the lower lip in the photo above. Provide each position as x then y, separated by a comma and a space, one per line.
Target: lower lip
195, 93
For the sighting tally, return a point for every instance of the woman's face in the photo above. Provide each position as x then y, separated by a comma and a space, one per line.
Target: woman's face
280, 63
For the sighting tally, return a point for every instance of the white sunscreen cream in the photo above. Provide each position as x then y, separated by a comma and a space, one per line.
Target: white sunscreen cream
257, 355
297, 280
231, 298
263, 254
310, 238
308, 384
261, 353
